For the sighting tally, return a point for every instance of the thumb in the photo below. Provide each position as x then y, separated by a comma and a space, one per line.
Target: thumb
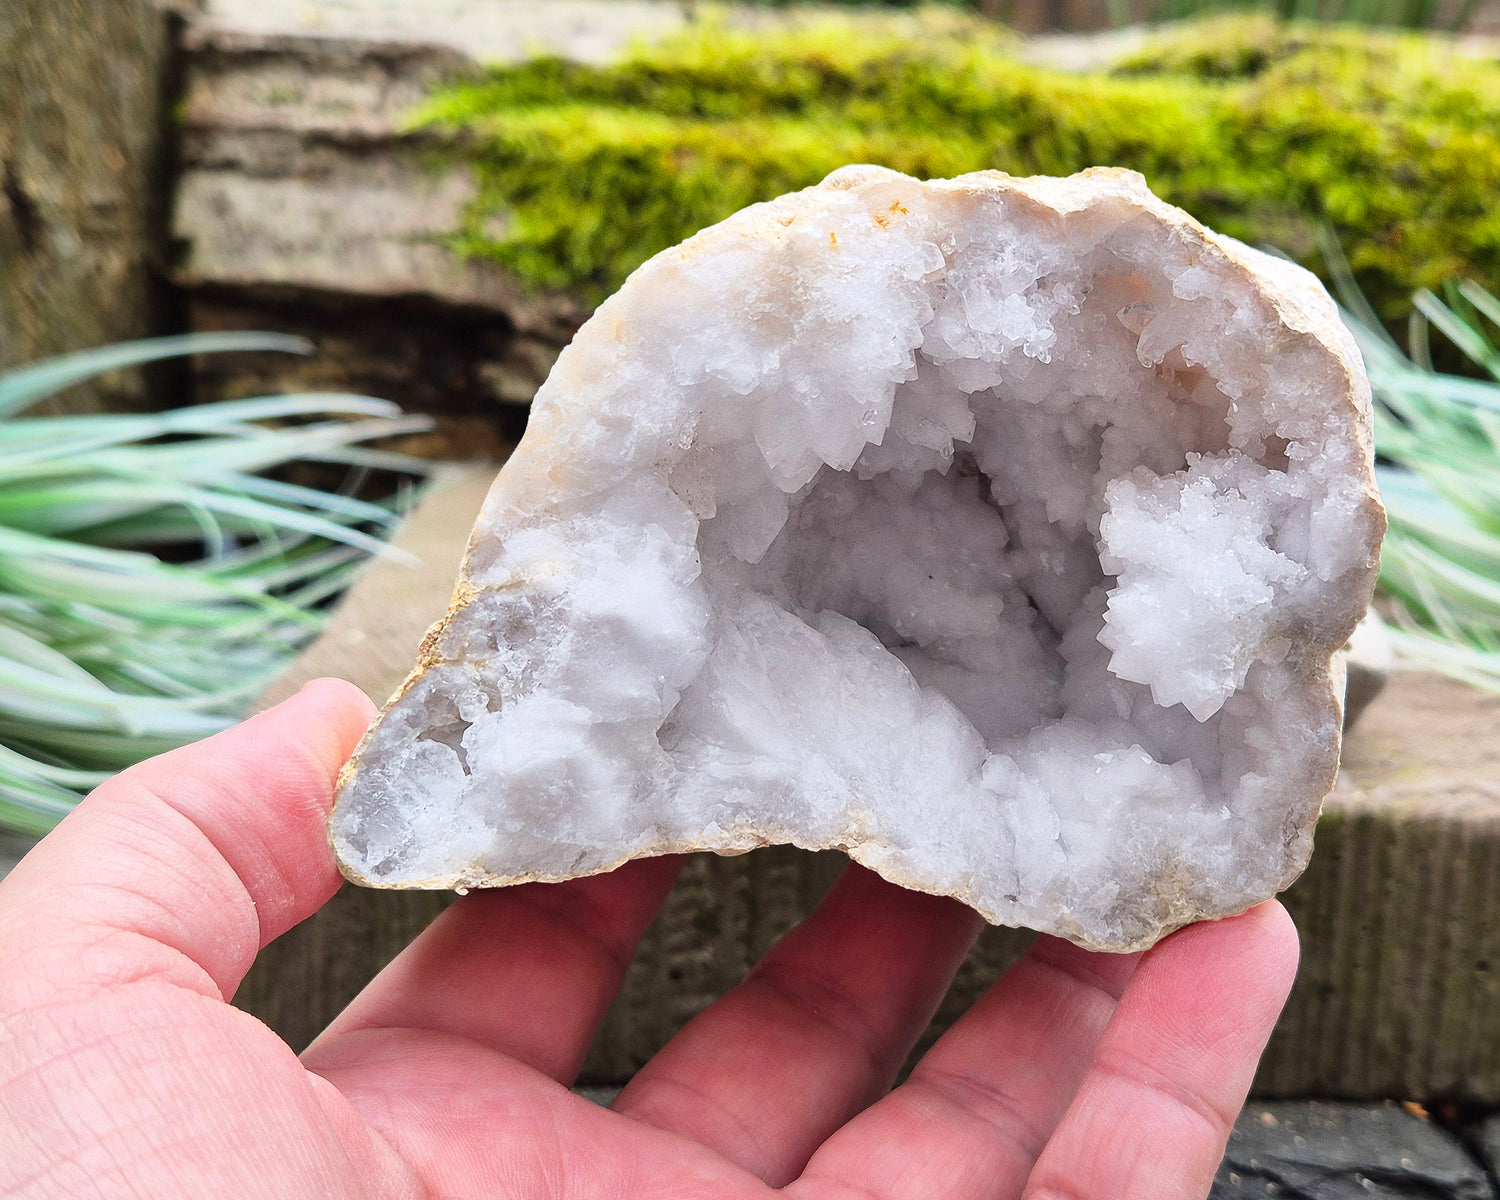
186, 865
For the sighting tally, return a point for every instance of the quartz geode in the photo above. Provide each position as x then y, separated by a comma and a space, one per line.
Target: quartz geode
1000, 532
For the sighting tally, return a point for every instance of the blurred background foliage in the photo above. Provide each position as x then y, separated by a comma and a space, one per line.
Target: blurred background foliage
1437, 438
1446, 15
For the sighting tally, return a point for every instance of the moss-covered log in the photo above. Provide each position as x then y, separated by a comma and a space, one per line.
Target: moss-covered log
1260, 130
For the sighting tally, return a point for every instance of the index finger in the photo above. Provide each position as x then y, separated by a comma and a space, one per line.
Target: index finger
528, 970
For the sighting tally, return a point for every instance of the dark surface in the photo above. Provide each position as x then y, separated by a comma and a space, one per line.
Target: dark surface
1484, 1135
1313, 1150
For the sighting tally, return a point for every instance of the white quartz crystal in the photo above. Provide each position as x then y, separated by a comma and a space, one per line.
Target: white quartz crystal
997, 531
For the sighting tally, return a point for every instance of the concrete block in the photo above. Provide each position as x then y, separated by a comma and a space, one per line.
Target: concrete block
1399, 990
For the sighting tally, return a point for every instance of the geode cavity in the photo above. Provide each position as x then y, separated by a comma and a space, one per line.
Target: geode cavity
1000, 532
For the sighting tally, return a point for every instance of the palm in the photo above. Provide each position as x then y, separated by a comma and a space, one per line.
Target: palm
123, 1072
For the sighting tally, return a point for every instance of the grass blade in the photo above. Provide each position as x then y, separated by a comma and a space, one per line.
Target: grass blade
109, 652
24, 387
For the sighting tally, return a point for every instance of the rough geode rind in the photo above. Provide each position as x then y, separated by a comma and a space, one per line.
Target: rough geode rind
999, 532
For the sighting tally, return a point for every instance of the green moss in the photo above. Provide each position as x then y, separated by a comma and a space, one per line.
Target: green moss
1261, 130
1244, 45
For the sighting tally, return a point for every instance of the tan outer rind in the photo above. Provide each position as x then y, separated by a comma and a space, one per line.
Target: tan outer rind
1304, 310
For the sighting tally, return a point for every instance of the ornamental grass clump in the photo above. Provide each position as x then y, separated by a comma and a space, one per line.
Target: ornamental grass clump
153, 576
1438, 440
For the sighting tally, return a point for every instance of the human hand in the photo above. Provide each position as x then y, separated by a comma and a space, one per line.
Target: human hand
125, 1072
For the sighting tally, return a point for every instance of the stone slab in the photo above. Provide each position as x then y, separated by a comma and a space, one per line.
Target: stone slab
373, 637
484, 30
1485, 1136
1321, 1151
304, 203
1399, 991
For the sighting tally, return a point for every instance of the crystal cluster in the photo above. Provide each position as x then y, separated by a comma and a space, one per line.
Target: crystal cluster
1000, 532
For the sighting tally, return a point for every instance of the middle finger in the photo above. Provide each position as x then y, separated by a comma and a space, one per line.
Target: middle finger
815, 1033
